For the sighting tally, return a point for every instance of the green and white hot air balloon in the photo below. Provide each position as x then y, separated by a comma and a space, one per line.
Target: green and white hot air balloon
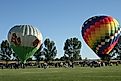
25, 40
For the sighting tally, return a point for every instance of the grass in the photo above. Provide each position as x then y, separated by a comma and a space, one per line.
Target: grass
109, 73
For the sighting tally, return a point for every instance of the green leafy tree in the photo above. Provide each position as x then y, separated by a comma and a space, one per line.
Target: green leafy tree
62, 58
6, 50
116, 52
38, 53
49, 50
72, 49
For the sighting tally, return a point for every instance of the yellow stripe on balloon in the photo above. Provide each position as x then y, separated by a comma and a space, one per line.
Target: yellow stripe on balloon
107, 29
112, 27
102, 31
116, 24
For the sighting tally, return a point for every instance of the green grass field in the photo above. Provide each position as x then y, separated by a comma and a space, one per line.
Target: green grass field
109, 73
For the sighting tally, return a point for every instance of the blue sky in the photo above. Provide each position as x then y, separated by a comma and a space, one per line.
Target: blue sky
56, 19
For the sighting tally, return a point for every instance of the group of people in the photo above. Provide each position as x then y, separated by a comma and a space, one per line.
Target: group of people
60, 64
97, 63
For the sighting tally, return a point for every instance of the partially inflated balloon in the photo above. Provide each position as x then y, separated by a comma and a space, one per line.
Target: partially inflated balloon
25, 40
101, 33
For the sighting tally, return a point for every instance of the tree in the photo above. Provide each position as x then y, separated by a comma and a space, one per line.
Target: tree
6, 50
62, 58
39, 53
72, 49
116, 52
49, 49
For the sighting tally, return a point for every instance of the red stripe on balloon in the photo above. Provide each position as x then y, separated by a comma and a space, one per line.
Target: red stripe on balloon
110, 47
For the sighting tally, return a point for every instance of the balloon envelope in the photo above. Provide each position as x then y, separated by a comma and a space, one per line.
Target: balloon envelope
101, 33
25, 40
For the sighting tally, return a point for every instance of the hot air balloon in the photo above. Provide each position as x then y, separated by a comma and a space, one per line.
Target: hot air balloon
101, 33
25, 41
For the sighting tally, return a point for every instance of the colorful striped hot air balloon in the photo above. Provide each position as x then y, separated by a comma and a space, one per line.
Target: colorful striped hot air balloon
25, 40
101, 33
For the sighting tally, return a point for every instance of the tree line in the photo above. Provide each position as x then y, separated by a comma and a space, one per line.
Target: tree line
47, 51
